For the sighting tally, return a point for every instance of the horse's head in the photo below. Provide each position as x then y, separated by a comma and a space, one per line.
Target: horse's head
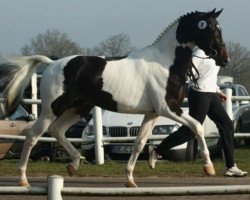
203, 30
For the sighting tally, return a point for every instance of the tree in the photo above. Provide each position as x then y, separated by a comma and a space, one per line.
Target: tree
52, 43
116, 45
239, 65
239, 60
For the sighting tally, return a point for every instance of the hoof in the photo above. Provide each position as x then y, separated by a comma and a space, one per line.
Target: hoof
24, 184
209, 170
130, 184
71, 170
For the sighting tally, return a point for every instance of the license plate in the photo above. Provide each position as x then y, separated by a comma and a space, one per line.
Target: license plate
122, 149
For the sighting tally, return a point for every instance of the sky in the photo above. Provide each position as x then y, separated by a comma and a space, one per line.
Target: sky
89, 22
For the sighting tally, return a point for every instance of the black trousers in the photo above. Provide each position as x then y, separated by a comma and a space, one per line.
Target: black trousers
200, 105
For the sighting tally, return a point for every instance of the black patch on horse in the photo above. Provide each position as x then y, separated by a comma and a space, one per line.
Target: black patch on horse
115, 58
83, 86
177, 78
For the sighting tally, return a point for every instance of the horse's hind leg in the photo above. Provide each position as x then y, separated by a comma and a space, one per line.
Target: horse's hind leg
32, 135
58, 129
145, 129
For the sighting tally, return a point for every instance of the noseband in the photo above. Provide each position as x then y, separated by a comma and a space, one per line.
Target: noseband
213, 51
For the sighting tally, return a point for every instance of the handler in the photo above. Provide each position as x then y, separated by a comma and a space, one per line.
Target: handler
204, 99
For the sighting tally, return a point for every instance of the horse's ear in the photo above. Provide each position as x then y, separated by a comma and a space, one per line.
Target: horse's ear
210, 14
217, 13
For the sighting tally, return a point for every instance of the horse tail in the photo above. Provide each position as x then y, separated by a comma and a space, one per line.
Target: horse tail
15, 75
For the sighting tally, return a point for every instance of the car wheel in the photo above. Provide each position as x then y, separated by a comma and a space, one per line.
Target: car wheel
45, 158
192, 150
89, 155
247, 141
219, 151
237, 141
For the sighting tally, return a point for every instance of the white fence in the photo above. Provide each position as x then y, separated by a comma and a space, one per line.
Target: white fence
55, 190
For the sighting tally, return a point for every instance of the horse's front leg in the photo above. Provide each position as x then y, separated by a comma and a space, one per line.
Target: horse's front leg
177, 114
197, 128
145, 129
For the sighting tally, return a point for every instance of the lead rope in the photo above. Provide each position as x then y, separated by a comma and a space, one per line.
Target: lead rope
191, 75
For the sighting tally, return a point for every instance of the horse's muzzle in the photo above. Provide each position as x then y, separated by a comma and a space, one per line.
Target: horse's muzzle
223, 63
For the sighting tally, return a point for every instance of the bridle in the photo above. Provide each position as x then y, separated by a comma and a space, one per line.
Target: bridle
213, 51
190, 72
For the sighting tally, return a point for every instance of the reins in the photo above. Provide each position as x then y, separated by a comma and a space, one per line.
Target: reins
191, 66
191, 75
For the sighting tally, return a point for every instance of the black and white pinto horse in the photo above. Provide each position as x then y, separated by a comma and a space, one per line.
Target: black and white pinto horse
148, 81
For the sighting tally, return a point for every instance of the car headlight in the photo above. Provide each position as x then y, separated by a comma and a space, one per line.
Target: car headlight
90, 130
175, 128
165, 129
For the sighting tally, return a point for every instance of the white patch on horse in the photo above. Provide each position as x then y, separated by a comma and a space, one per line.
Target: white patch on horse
132, 82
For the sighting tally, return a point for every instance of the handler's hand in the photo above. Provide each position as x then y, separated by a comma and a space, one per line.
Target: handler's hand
222, 96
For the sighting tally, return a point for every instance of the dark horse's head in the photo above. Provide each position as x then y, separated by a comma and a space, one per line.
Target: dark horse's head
203, 30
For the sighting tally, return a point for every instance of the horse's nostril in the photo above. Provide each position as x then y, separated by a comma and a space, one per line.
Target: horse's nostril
225, 62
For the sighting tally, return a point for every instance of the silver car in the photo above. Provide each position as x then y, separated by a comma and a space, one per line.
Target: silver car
127, 125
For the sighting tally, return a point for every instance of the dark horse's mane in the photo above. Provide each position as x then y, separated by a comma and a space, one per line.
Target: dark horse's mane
183, 36
181, 68
184, 19
114, 58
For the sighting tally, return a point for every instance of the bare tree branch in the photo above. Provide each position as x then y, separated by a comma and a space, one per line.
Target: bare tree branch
52, 43
239, 66
239, 60
116, 45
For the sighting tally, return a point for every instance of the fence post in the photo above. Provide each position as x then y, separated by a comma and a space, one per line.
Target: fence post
99, 149
228, 105
55, 185
34, 94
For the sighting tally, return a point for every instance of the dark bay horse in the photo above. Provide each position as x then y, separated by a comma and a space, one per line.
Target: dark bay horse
147, 81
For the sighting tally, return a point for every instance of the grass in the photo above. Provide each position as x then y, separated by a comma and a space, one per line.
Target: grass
116, 169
